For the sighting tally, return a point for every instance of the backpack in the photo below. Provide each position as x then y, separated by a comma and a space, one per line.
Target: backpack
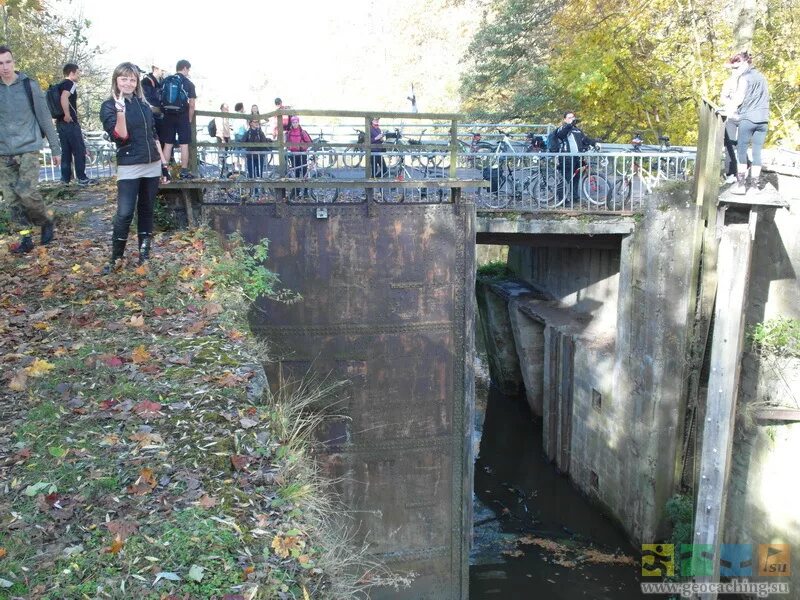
553, 143
26, 83
212, 128
151, 88
174, 98
53, 96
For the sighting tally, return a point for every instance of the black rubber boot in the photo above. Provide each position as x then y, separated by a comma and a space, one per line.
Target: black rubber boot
25, 243
117, 252
48, 231
145, 241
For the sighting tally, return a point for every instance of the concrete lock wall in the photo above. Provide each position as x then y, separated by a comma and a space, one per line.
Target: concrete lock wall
385, 307
613, 325
762, 496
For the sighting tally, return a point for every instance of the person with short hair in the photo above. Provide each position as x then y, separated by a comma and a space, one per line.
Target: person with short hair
24, 119
128, 120
376, 138
69, 129
179, 125
285, 119
751, 109
255, 155
568, 137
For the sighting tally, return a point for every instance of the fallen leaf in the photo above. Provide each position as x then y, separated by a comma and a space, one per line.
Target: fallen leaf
39, 367
144, 484
146, 439
137, 321
196, 327
283, 545
141, 270
19, 382
140, 354
239, 462
41, 326
195, 573
111, 361
212, 308
3, 553
166, 575
147, 409
248, 423
207, 502
122, 528
228, 379
116, 545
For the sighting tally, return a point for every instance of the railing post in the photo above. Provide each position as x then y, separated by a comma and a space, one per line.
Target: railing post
367, 147
453, 147
193, 146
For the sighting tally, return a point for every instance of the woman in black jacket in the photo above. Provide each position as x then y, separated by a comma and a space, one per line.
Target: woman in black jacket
128, 120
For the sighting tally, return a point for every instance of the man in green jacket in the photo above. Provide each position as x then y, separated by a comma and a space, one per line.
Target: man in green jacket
24, 121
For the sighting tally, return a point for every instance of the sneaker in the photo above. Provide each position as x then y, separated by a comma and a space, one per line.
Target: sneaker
186, 174
48, 231
87, 181
25, 243
730, 179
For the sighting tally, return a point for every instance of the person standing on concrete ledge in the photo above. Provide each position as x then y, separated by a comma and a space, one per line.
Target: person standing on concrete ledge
751, 100
24, 120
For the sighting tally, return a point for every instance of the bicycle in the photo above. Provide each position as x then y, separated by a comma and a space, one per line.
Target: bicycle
592, 185
324, 154
402, 172
633, 180
539, 181
353, 155
316, 171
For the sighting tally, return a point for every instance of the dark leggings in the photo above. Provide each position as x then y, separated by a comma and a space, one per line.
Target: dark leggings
751, 131
299, 162
379, 168
135, 194
731, 131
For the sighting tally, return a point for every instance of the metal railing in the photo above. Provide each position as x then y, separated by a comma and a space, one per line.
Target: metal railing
410, 167
100, 162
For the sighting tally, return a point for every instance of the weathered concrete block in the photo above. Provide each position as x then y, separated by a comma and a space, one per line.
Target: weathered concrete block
529, 341
498, 336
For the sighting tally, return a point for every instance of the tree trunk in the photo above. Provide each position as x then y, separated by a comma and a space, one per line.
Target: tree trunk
744, 24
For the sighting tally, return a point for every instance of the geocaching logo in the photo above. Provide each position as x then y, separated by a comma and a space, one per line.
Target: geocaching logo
658, 560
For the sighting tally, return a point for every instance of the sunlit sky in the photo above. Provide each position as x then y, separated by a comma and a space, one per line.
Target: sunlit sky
313, 54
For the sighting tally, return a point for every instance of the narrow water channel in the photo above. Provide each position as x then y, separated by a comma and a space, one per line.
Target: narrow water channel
535, 535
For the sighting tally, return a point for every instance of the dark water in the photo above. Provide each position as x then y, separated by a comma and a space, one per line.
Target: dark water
518, 492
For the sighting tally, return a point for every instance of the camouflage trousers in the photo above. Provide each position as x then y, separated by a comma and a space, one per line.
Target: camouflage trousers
19, 179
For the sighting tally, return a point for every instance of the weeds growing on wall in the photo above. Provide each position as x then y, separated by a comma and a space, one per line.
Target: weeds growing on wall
680, 510
495, 269
779, 337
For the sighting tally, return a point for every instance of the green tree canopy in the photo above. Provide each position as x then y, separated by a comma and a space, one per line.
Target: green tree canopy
628, 66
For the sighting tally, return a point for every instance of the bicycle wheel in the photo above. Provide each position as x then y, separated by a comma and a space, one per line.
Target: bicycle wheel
393, 160
352, 156
496, 198
544, 190
620, 193
324, 155
595, 189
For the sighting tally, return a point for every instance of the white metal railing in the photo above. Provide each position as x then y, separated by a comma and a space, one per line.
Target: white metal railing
516, 181
100, 162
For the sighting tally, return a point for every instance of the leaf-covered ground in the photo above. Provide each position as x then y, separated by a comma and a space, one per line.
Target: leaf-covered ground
137, 456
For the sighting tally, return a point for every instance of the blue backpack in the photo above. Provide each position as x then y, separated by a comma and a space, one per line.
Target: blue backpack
174, 98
